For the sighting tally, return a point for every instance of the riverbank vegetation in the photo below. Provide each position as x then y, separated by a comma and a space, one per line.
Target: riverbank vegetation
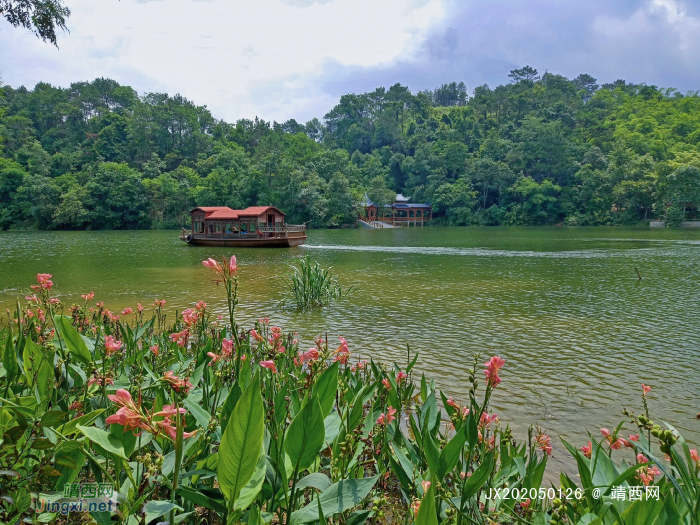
542, 149
311, 286
192, 419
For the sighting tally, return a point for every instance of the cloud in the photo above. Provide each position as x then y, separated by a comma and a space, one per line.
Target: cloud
281, 59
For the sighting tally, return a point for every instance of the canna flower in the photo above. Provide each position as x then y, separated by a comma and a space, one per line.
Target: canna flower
694, 455
88, 296
189, 317
112, 345
385, 419
525, 505
159, 304
425, 485
232, 268
167, 427
214, 357
139, 307
617, 444
543, 442
100, 381
493, 366
226, 347
634, 437
641, 458
453, 403
605, 432
212, 264
270, 365
256, 336
154, 350
180, 385
44, 280
169, 411
401, 376
127, 311
32, 298
386, 384
129, 414
645, 389
309, 355
180, 338
201, 305
587, 450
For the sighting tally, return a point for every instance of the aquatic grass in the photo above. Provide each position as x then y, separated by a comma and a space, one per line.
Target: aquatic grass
312, 286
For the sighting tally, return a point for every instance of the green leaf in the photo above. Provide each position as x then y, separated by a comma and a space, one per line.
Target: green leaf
155, 509
231, 400
71, 337
103, 439
72, 426
38, 366
241, 443
53, 418
126, 437
337, 498
450, 454
642, 512
478, 478
305, 435
200, 499
201, 415
254, 486
317, 480
69, 460
9, 359
426, 512
326, 387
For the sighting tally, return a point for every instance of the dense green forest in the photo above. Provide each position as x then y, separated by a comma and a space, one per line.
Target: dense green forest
537, 150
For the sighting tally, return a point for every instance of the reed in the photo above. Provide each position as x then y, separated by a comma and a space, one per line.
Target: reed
311, 286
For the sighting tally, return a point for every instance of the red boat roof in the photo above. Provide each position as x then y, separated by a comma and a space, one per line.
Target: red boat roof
224, 212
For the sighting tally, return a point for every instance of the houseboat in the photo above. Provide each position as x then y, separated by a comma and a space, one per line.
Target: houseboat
256, 226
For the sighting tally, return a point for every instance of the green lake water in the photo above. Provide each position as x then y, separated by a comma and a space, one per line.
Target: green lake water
578, 330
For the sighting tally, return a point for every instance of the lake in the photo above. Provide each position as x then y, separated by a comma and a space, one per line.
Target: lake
564, 306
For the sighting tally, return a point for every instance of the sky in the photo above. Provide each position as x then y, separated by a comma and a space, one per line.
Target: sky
282, 59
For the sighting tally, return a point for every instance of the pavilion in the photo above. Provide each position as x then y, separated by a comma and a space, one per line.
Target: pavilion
403, 212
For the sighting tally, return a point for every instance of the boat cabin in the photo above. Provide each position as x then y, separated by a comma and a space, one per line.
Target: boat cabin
221, 225
400, 213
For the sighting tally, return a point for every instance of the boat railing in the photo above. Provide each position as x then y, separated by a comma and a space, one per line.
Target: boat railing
290, 228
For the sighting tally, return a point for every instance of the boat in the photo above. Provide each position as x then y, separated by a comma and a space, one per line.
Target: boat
254, 227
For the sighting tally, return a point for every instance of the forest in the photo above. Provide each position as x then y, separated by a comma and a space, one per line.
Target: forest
537, 150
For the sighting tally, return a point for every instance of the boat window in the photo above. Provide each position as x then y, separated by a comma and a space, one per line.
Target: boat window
244, 228
229, 228
217, 227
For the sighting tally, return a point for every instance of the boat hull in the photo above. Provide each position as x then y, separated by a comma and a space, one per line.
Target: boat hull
284, 242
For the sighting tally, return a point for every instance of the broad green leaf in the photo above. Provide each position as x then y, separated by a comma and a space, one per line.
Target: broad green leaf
38, 366
9, 359
231, 400
317, 480
53, 418
201, 415
326, 387
252, 489
241, 443
478, 478
126, 437
427, 514
72, 426
668, 515
156, 509
71, 337
642, 512
103, 439
305, 435
450, 454
68, 461
200, 499
337, 498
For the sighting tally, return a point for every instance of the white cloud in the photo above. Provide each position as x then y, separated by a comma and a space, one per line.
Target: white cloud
241, 58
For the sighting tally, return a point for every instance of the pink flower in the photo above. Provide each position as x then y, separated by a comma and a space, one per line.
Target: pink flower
646, 389
201, 305
453, 403
309, 355
617, 444
129, 415
169, 411
212, 264
127, 311
525, 504
242, 357
112, 345
425, 485
385, 419
214, 357
605, 432
270, 365
694, 455
139, 307
634, 437
189, 317
256, 336
166, 425
587, 450
226, 347
180, 385
33, 298
641, 458
154, 349
180, 338
543, 442
401, 376
493, 366
232, 268
89, 296
44, 280
158, 304
386, 384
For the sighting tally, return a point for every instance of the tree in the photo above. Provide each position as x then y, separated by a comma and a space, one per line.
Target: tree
42, 17
527, 74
